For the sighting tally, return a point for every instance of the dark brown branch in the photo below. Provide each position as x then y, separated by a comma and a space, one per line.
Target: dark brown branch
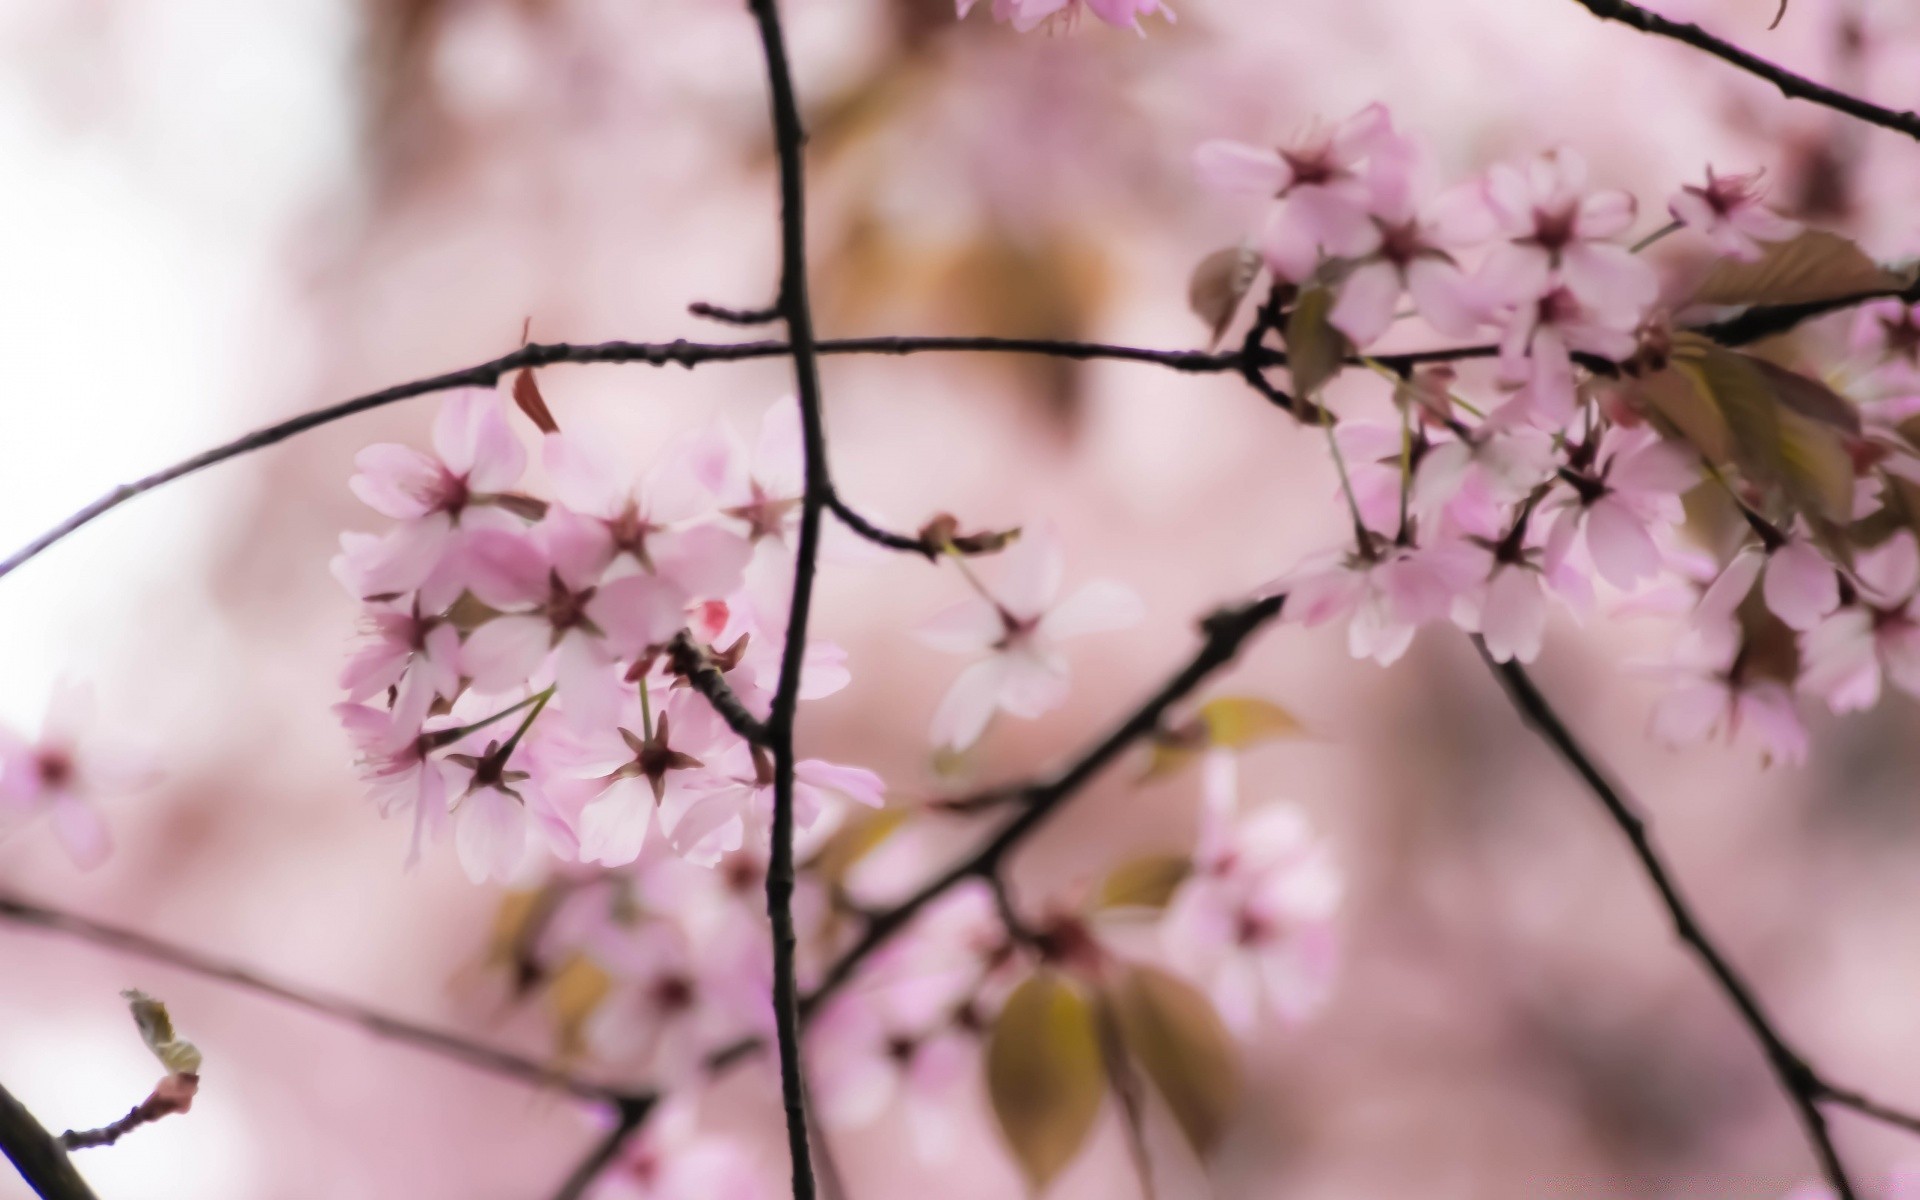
735, 316
789, 140
692, 662
1803, 1087
631, 1114
380, 1025
874, 533
1795, 87
37, 1154
1224, 633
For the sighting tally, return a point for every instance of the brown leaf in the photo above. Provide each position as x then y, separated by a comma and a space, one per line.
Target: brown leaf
1044, 1074
1177, 1038
1145, 882
1772, 441
1315, 349
526, 394
1218, 285
1816, 265
1810, 397
573, 993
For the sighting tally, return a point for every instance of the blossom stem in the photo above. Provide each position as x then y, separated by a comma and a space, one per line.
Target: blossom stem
447, 737
1656, 235
539, 702
1362, 539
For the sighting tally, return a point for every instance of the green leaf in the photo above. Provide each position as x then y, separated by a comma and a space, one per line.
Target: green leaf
1315, 349
1816, 265
156, 1029
1772, 439
1810, 397
1145, 882
1174, 1034
1044, 1074
1218, 285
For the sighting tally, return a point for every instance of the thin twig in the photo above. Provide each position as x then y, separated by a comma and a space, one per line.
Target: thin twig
435, 1041
631, 1114
735, 316
37, 1154
1803, 1087
692, 662
789, 140
1796, 87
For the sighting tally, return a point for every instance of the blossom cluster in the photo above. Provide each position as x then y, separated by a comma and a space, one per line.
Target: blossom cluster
514, 681
1555, 474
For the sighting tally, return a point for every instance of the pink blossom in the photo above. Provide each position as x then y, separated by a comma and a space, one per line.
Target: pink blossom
674, 1001
1888, 331
1027, 15
63, 773
1634, 492
1557, 231
1019, 626
1543, 331
392, 756
554, 602
1800, 587
476, 457
398, 641
1318, 178
492, 826
660, 527
737, 799
633, 773
1385, 594
1844, 657
1403, 250
1713, 695
1253, 922
1729, 211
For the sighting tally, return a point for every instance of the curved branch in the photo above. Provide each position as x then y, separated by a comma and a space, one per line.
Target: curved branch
1791, 85
1805, 1087
394, 1029
37, 1154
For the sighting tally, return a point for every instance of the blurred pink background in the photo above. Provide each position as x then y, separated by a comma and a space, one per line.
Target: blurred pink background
218, 213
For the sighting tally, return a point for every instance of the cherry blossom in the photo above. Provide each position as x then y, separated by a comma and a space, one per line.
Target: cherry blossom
1633, 493
1253, 922
1019, 625
673, 1159
1846, 654
1560, 235
63, 773
1729, 211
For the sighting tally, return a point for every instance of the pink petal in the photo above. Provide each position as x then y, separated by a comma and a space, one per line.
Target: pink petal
1605, 214
1030, 572
396, 481
855, 783
473, 440
1097, 607
969, 704
505, 569
1236, 167
1365, 307
81, 832
1446, 298
1801, 586
490, 835
1609, 280
1622, 549
967, 627
613, 828
637, 611
582, 477
1513, 618
505, 652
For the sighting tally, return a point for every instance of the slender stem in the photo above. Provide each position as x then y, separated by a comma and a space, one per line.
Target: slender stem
1671, 227
504, 1063
447, 737
793, 304
1803, 1087
1796, 87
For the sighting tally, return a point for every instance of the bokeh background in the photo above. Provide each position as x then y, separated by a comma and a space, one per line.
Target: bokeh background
218, 212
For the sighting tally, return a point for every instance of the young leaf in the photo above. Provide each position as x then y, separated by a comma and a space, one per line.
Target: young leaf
1218, 285
156, 1029
1176, 1037
526, 394
853, 841
1236, 722
1810, 397
1816, 265
1044, 1074
1145, 882
1773, 442
1315, 349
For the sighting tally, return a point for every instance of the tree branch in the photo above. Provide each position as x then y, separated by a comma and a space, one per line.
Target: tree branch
1795, 87
632, 1114
1804, 1086
789, 140
37, 1154
434, 1041
691, 662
